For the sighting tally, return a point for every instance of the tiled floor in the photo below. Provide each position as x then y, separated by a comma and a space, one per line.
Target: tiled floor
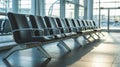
102, 53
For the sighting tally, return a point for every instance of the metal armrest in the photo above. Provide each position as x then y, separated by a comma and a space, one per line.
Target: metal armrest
60, 27
28, 29
53, 30
50, 28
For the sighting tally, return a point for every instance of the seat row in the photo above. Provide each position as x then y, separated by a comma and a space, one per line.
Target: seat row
35, 31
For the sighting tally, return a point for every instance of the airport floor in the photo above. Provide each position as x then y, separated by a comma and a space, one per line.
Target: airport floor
99, 53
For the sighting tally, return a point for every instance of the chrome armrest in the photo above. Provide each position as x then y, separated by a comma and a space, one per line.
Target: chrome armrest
28, 29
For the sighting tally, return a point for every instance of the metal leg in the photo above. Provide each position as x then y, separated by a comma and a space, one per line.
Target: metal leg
97, 35
7, 63
44, 52
16, 48
23, 47
86, 38
92, 36
101, 33
62, 43
76, 41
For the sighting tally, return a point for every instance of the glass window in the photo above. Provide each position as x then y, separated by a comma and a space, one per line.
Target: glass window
69, 10
96, 11
81, 9
81, 2
52, 8
81, 13
25, 6
5, 5
110, 3
114, 15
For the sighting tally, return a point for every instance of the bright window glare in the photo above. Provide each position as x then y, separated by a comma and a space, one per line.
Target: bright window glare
113, 16
52, 8
108, 0
25, 3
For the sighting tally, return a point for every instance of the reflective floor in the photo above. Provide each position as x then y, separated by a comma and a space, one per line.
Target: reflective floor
100, 53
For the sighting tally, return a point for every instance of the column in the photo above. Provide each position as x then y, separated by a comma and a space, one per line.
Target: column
85, 9
38, 7
108, 23
76, 12
62, 8
33, 7
42, 7
15, 6
90, 10
99, 14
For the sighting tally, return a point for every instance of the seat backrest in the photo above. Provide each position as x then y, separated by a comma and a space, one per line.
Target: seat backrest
84, 24
76, 24
17, 22
73, 21
2, 23
90, 24
81, 24
55, 25
51, 23
39, 22
70, 25
95, 24
64, 25
6, 26
59, 23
